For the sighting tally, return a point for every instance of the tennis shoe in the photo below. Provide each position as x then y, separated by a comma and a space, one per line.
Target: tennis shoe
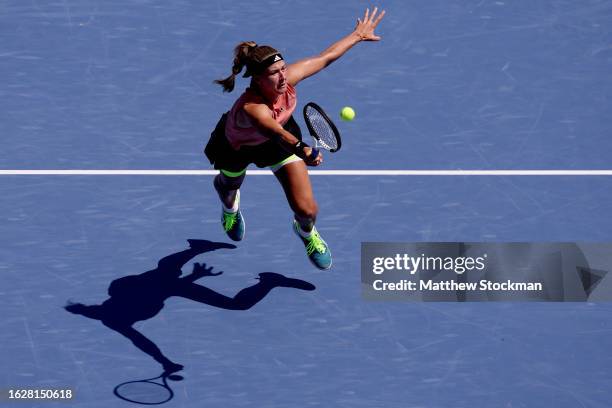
232, 222
316, 248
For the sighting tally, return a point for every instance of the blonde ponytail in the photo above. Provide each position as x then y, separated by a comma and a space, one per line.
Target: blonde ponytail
241, 58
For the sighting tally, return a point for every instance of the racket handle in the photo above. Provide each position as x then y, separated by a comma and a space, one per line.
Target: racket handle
314, 153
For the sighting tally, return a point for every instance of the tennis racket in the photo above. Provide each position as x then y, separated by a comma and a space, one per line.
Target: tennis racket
147, 391
322, 129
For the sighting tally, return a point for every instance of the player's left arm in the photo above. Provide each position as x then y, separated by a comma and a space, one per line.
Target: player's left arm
364, 31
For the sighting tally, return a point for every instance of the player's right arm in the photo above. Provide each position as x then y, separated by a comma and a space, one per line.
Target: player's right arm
261, 117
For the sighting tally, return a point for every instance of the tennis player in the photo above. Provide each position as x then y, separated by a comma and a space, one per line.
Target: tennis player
260, 129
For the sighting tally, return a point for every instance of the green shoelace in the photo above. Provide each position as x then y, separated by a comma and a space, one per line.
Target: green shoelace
315, 243
229, 220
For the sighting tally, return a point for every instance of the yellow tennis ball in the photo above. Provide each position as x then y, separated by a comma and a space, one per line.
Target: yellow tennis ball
347, 113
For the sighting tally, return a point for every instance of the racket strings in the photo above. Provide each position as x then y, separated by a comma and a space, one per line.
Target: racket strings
323, 130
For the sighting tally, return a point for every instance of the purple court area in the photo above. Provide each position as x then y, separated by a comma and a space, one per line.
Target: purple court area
452, 85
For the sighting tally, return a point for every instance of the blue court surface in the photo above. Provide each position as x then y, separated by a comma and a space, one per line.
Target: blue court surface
453, 85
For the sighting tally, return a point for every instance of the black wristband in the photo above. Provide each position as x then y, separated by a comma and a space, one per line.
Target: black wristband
298, 148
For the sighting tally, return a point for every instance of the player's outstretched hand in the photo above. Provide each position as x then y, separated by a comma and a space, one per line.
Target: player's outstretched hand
365, 27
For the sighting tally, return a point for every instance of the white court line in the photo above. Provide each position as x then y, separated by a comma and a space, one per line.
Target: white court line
311, 172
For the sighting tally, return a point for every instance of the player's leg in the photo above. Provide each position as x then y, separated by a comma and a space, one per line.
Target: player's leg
232, 165
294, 178
298, 190
227, 184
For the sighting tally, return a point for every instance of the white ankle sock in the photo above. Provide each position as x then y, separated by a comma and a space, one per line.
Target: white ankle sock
236, 206
303, 233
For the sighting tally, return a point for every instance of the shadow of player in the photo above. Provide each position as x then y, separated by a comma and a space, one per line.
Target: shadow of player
135, 298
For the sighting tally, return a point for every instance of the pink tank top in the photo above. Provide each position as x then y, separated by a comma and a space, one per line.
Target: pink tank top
251, 136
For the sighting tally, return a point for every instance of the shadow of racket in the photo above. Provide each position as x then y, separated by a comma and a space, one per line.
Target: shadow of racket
150, 391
